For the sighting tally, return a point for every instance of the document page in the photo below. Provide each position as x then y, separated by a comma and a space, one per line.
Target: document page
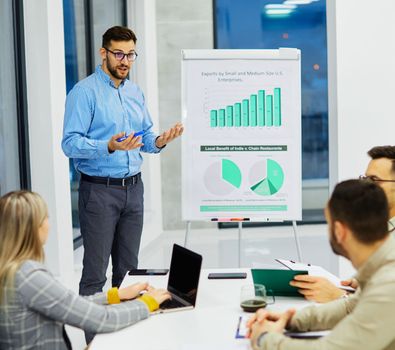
241, 331
314, 270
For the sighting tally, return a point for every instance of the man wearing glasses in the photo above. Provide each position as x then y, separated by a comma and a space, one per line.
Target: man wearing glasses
357, 216
106, 126
380, 170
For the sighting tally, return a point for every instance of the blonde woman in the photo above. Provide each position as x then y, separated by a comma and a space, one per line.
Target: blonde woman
34, 306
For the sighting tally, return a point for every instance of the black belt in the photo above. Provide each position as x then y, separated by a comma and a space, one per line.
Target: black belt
111, 181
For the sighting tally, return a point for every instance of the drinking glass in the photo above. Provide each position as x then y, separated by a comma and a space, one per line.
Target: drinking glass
254, 297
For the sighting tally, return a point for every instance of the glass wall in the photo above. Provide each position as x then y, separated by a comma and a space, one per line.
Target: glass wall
271, 24
9, 145
268, 24
85, 21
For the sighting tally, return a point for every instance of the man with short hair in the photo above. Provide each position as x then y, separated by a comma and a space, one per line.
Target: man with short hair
381, 170
106, 126
357, 216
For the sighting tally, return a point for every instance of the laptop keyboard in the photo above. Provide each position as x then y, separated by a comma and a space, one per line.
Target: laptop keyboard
171, 304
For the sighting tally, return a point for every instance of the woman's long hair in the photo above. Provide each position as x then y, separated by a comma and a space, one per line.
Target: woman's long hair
21, 215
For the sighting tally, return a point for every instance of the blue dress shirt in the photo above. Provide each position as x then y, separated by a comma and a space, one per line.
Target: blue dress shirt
95, 111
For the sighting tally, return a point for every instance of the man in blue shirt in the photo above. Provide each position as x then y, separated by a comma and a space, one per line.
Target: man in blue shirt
103, 113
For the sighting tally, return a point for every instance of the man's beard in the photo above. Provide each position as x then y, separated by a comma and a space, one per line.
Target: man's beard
114, 72
336, 247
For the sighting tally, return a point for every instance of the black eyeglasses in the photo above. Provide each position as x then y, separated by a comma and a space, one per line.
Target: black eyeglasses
119, 55
373, 178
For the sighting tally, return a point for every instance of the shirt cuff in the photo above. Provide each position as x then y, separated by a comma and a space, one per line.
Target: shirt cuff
102, 148
271, 340
259, 340
158, 149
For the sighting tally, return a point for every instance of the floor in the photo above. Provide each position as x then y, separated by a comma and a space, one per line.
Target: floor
259, 247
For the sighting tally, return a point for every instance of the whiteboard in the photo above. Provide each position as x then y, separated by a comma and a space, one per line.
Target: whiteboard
241, 148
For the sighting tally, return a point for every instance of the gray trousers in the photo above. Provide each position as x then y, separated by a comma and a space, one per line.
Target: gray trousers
111, 221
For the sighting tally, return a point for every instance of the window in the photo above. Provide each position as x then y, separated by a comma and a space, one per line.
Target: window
265, 24
14, 160
85, 21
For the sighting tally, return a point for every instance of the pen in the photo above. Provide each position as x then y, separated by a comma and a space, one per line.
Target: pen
293, 262
123, 138
238, 335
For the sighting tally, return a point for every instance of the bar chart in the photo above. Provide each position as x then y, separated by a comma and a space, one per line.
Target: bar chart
259, 110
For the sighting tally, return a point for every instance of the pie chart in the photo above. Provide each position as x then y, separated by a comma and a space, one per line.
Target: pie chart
222, 177
266, 177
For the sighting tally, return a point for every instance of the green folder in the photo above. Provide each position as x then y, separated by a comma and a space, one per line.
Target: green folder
277, 281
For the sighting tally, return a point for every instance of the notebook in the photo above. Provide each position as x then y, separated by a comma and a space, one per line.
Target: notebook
277, 281
183, 281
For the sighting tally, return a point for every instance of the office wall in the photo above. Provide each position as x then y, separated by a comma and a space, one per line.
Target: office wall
361, 75
142, 19
46, 92
181, 24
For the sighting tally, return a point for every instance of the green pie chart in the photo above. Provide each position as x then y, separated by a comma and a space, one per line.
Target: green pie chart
266, 177
222, 177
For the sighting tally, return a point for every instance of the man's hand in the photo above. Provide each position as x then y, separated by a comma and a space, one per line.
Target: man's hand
352, 282
277, 325
262, 315
169, 135
132, 291
128, 144
317, 289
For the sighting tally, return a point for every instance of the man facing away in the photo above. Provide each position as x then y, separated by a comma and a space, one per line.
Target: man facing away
381, 170
357, 216
103, 113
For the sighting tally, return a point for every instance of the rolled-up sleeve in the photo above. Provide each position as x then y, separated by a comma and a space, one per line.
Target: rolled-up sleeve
365, 328
149, 136
77, 120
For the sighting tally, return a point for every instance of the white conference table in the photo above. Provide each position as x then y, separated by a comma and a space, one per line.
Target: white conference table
210, 325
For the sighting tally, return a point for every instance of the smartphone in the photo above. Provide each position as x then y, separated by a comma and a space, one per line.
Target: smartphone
227, 275
151, 272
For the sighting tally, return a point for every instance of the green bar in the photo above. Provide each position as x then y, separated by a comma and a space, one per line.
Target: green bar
229, 116
253, 121
269, 110
245, 112
213, 119
277, 107
237, 111
221, 117
261, 108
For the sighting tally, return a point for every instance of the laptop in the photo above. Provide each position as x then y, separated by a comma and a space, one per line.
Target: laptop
183, 281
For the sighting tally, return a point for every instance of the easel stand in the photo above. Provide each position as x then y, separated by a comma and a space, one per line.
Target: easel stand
297, 243
187, 233
240, 229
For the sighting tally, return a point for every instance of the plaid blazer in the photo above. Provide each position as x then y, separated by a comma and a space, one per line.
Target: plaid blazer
33, 315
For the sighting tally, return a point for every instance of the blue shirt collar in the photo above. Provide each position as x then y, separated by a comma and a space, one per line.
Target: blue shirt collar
106, 78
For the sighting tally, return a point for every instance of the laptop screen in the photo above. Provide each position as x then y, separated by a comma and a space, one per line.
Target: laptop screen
184, 273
